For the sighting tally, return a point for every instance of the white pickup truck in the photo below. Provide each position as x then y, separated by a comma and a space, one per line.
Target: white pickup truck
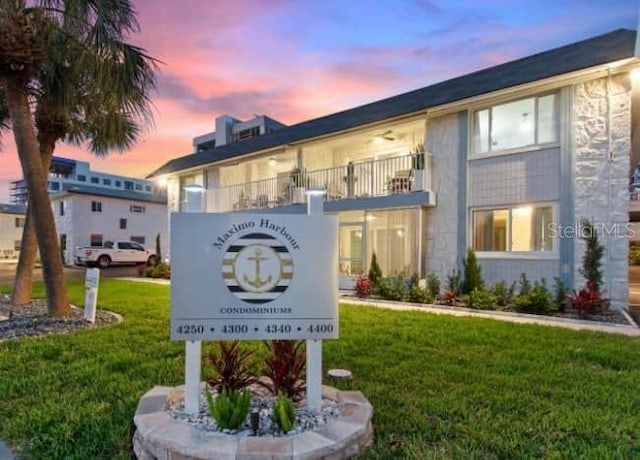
114, 252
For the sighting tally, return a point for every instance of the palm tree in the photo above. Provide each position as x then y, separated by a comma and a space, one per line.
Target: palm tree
75, 108
31, 37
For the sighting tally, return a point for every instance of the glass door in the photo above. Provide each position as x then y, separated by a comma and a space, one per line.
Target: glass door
351, 257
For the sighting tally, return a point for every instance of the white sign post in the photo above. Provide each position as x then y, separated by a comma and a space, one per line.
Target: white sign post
315, 205
91, 281
256, 277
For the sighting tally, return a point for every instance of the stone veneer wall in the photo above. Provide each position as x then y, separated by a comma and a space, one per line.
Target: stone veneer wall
602, 139
443, 141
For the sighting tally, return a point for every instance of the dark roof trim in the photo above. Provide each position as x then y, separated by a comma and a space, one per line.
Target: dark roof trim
603, 49
12, 208
109, 193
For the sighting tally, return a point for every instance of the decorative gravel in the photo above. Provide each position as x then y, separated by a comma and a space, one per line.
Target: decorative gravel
32, 320
264, 407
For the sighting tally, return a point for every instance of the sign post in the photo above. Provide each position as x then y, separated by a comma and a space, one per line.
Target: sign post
240, 276
91, 281
315, 205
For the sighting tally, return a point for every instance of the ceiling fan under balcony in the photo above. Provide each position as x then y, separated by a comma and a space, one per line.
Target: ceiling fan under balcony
382, 136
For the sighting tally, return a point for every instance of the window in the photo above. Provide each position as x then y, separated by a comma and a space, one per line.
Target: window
95, 240
118, 184
136, 246
61, 208
54, 186
124, 245
96, 206
123, 224
137, 209
95, 180
17, 244
128, 185
138, 186
138, 239
522, 228
147, 188
521, 123
20, 222
82, 178
106, 182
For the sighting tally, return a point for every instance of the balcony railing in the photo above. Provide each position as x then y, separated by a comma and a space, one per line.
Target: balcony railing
361, 179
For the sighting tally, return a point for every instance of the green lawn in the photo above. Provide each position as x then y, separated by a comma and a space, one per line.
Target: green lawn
441, 387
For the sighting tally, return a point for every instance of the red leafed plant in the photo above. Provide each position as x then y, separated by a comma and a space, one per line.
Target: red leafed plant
363, 286
285, 365
231, 365
450, 297
586, 300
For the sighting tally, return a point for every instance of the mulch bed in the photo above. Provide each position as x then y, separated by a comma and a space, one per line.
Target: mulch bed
32, 320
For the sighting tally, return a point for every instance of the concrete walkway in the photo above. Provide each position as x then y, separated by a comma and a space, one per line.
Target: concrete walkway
521, 318
5, 453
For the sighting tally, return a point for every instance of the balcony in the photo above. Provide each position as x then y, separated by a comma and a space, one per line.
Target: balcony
364, 179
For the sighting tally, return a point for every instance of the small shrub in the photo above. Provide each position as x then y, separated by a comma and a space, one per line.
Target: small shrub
417, 294
450, 297
158, 251
232, 367
592, 258
160, 270
433, 285
363, 286
453, 281
525, 285
284, 415
375, 273
229, 408
285, 365
393, 288
482, 299
501, 293
472, 273
537, 300
587, 300
560, 293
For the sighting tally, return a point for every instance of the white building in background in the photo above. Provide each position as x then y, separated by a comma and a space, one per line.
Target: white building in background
11, 224
88, 216
65, 171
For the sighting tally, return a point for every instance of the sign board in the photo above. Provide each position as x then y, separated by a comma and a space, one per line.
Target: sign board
254, 276
91, 281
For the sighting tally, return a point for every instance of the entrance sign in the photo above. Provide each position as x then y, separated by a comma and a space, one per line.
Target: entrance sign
254, 276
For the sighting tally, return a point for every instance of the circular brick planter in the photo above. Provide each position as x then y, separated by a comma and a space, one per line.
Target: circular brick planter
158, 436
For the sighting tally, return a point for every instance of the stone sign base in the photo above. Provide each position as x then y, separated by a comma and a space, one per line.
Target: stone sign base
159, 436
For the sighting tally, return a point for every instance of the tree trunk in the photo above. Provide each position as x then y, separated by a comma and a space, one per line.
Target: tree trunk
36, 180
23, 283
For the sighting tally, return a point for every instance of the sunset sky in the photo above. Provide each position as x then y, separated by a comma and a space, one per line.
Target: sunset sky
295, 60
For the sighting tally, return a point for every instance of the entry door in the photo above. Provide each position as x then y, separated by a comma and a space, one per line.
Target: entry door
351, 258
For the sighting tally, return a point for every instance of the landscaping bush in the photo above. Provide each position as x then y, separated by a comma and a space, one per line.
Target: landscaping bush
285, 365
160, 270
537, 299
501, 293
363, 286
592, 258
587, 300
560, 294
375, 273
433, 285
284, 415
232, 367
393, 288
472, 273
229, 408
417, 294
482, 299
453, 281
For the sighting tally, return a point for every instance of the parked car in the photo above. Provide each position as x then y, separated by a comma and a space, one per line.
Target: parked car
114, 253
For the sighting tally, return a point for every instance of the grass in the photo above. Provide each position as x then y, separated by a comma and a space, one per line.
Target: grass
441, 387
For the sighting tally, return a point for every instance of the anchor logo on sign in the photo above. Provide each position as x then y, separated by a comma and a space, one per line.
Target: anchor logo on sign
257, 282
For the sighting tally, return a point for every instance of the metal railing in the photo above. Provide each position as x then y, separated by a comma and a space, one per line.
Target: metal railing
355, 180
